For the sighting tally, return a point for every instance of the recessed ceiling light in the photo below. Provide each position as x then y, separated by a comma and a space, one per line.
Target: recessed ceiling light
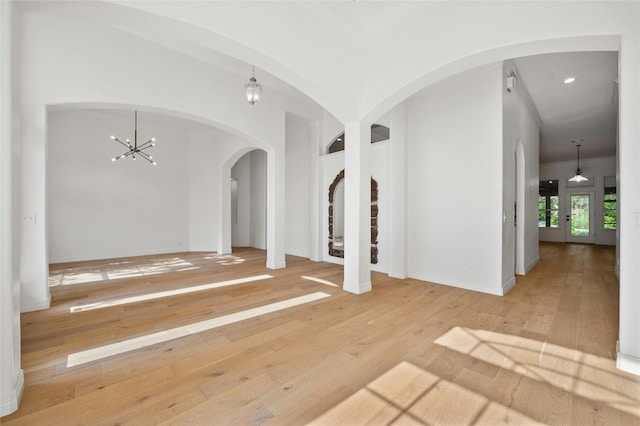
569, 80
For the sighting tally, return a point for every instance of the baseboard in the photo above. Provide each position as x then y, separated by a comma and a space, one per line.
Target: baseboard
37, 306
276, 265
116, 255
10, 401
627, 363
531, 264
508, 285
361, 288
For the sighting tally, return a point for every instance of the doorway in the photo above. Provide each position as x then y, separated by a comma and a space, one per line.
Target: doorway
580, 217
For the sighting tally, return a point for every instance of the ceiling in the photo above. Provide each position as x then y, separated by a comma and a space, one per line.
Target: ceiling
585, 111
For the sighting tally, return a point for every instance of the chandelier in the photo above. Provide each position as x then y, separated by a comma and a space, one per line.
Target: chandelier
134, 149
253, 89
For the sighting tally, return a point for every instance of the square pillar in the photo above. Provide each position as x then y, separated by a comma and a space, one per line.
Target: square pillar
224, 211
398, 208
357, 217
276, 187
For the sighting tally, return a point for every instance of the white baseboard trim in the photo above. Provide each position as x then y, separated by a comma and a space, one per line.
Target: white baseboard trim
508, 285
362, 288
116, 255
36, 306
276, 265
531, 265
627, 363
10, 401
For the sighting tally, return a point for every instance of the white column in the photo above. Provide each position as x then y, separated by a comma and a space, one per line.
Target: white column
316, 191
398, 207
276, 207
11, 375
628, 357
357, 217
224, 211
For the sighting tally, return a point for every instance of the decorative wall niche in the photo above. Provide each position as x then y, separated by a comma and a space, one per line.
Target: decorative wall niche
336, 218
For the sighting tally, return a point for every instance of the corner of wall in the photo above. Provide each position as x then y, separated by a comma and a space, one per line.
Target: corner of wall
37, 305
627, 363
508, 285
10, 401
531, 264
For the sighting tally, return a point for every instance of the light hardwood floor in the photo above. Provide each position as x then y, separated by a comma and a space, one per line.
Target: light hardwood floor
409, 352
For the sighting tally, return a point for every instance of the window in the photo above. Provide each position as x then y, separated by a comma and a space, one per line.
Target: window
379, 133
548, 203
610, 216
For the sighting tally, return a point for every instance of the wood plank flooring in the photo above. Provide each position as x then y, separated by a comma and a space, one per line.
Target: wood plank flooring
409, 352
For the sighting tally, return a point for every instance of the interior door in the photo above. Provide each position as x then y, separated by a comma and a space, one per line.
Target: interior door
580, 217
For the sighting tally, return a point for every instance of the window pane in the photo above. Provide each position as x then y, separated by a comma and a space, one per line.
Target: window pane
610, 208
548, 202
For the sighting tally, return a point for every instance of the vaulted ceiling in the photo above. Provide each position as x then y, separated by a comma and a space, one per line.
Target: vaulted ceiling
342, 52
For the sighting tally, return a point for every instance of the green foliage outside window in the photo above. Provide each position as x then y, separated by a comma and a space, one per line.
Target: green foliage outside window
548, 211
610, 211
580, 215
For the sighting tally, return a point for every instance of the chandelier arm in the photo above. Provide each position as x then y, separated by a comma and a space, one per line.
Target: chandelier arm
123, 155
147, 144
118, 140
146, 157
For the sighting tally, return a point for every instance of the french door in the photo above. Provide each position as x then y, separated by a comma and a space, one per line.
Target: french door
580, 217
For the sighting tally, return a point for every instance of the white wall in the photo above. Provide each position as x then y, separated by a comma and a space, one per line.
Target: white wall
299, 191
11, 374
103, 209
203, 190
258, 160
249, 228
521, 138
455, 181
593, 168
241, 224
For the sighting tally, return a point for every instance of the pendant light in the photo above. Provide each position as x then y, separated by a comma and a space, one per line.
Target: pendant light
253, 89
135, 149
578, 177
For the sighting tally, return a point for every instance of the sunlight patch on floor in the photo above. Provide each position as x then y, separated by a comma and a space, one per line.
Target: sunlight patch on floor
168, 293
117, 348
571, 370
118, 270
319, 281
407, 394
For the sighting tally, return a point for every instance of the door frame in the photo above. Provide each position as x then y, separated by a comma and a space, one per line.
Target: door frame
590, 239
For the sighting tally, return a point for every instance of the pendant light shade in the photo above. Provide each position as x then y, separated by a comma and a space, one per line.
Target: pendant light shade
253, 89
578, 176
